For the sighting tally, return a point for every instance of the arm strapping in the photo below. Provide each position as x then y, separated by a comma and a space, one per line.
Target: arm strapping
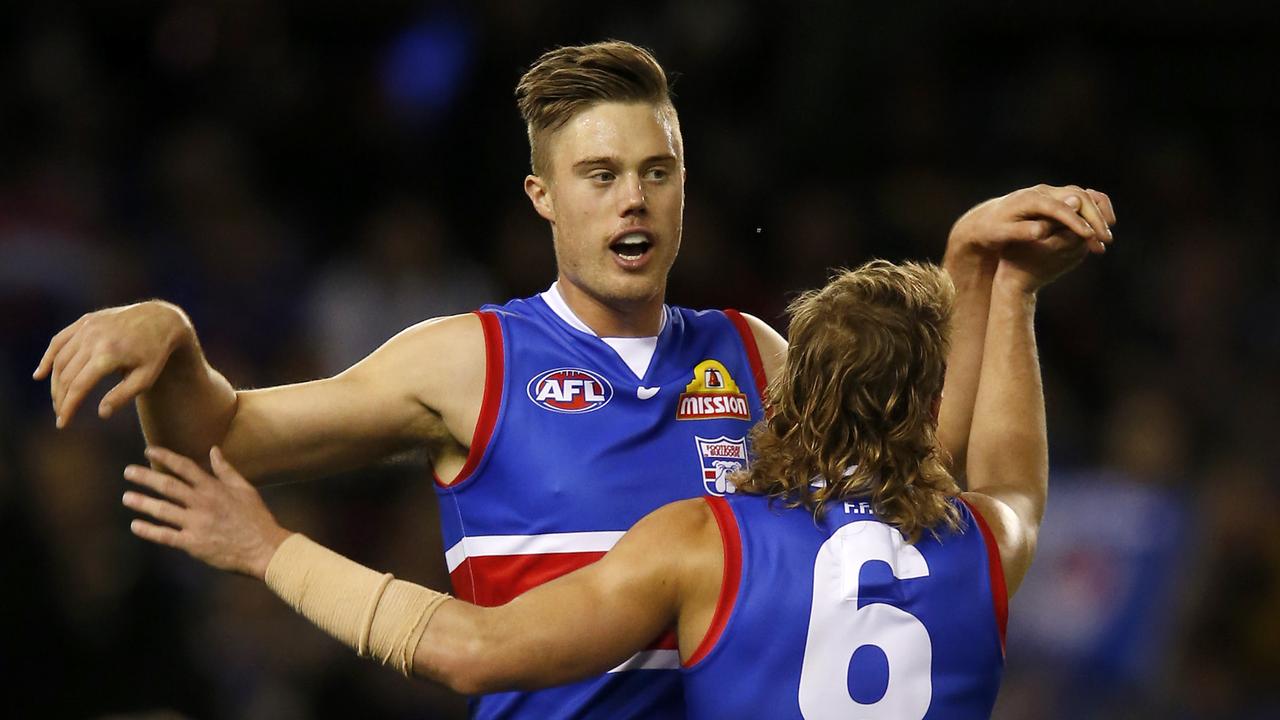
374, 614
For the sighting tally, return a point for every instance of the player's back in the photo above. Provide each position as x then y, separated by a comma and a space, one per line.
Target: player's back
841, 618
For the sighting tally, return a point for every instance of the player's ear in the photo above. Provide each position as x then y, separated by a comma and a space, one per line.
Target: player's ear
539, 192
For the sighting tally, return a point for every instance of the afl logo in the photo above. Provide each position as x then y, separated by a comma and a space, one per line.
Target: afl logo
570, 390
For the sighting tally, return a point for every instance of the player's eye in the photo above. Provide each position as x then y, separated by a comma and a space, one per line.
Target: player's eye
602, 176
657, 174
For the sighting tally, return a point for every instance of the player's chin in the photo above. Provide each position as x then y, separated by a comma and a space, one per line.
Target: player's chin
631, 287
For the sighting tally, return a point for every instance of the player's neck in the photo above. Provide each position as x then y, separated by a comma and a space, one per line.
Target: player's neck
630, 319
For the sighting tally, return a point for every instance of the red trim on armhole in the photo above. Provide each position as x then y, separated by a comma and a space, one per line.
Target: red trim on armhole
999, 591
732, 577
753, 350
492, 400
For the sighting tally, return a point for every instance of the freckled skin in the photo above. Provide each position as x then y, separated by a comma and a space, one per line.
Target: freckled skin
635, 178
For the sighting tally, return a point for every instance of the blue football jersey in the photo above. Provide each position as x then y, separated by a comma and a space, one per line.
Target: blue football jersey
840, 617
571, 449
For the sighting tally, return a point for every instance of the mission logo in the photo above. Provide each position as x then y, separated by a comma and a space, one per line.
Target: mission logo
712, 394
570, 390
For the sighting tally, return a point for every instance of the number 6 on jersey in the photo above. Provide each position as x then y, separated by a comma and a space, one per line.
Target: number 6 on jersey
838, 627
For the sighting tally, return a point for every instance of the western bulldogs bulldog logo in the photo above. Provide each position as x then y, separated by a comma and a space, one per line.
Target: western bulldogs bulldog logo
721, 458
570, 390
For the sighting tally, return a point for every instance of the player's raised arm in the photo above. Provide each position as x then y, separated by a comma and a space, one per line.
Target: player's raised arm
973, 249
665, 570
422, 387
1008, 460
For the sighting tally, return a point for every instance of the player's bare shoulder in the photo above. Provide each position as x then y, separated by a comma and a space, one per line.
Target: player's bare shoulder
680, 523
771, 344
1015, 539
684, 537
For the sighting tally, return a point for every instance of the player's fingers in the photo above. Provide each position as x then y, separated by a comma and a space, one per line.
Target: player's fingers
93, 371
1090, 211
70, 350
138, 380
1104, 202
157, 534
181, 465
58, 378
1031, 230
166, 485
223, 469
55, 345
63, 378
1045, 205
162, 510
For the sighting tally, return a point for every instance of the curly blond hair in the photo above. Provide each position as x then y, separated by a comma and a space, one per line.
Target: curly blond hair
856, 402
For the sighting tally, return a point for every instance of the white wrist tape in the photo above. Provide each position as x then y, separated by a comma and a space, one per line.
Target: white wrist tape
376, 615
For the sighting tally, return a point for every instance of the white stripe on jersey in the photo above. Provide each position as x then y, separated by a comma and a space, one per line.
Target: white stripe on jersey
544, 544
651, 660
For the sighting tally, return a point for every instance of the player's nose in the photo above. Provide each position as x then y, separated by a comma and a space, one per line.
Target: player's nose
633, 200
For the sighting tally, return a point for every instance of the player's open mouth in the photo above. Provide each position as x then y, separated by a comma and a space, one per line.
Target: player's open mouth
631, 246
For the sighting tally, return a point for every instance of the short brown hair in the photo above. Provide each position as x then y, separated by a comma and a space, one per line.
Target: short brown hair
854, 403
567, 80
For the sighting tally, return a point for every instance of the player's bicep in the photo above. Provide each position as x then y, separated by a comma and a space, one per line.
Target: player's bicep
589, 621
386, 402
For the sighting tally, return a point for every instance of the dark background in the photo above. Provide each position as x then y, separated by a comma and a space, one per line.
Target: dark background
307, 178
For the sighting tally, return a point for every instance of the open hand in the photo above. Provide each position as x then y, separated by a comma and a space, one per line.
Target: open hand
218, 519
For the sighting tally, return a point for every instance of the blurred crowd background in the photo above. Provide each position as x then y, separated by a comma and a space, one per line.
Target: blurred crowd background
308, 178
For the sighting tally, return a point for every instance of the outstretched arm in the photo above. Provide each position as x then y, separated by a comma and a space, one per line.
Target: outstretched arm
422, 387
664, 571
973, 250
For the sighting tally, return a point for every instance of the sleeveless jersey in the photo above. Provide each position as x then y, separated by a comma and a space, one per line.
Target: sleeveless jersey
842, 618
572, 449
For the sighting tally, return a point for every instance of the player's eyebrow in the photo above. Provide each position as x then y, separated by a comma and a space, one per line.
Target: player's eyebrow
610, 160
592, 161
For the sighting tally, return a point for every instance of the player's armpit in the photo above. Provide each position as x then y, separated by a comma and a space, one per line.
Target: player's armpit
588, 621
422, 387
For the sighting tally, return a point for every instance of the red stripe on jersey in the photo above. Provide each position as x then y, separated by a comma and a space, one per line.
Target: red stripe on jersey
490, 403
498, 579
753, 350
999, 591
731, 578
